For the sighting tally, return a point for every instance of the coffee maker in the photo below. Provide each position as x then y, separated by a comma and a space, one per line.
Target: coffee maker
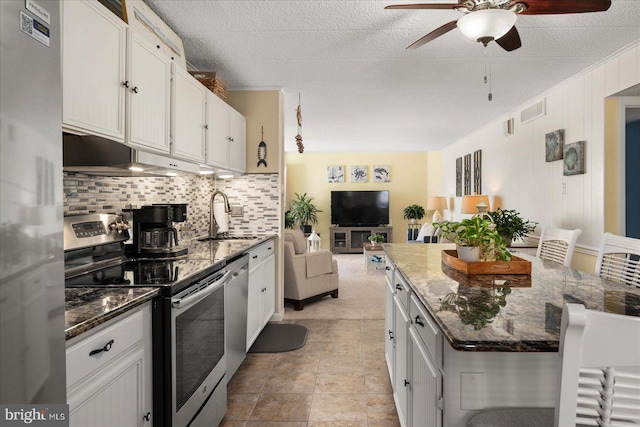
154, 235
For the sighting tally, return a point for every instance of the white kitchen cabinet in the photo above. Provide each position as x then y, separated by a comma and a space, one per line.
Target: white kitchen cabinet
401, 372
148, 97
425, 388
93, 70
414, 355
389, 316
109, 373
188, 117
237, 141
261, 299
226, 135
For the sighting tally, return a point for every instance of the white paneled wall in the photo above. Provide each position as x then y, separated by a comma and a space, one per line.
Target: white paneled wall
514, 166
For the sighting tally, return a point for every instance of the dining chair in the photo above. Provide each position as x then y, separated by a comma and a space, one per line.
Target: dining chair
599, 381
619, 259
557, 244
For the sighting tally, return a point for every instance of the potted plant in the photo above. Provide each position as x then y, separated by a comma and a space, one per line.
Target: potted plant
376, 239
289, 220
304, 212
413, 213
511, 226
476, 239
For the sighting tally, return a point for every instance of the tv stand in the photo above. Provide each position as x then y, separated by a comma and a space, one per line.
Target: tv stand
349, 240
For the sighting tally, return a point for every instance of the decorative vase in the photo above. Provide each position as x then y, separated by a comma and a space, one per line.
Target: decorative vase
468, 253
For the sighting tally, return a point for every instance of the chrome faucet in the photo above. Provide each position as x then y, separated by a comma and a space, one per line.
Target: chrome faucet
213, 224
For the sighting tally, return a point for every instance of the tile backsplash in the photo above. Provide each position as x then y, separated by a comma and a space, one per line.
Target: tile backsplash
256, 193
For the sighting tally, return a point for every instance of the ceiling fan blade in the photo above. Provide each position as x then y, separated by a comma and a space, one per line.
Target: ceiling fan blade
545, 7
433, 34
425, 6
510, 41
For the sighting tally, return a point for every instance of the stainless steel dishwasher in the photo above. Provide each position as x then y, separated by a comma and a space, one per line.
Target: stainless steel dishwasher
236, 295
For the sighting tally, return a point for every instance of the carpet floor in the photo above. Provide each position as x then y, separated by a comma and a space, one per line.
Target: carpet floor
361, 294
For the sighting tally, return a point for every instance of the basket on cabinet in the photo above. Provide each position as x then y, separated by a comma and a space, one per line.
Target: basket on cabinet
213, 81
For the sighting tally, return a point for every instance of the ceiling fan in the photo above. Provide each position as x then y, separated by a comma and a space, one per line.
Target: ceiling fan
487, 20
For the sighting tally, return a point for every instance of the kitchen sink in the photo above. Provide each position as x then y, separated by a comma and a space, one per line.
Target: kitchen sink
208, 239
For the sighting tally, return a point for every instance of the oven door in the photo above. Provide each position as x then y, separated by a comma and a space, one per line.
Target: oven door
198, 361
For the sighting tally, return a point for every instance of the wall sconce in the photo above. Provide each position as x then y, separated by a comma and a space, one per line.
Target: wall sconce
436, 204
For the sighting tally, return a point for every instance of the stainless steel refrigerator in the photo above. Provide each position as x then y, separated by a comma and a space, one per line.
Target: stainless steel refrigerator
32, 340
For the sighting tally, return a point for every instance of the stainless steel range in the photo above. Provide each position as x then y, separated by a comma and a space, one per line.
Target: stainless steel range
189, 361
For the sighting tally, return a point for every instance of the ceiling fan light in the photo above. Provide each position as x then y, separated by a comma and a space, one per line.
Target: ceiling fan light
487, 24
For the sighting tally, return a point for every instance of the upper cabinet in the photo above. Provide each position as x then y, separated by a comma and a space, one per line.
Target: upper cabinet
226, 135
188, 116
148, 90
105, 67
93, 70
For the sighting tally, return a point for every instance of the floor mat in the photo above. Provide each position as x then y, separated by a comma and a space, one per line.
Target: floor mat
279, 338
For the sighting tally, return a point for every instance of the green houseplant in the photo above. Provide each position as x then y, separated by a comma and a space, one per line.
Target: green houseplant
413, 213
376, 239
304, 212
476, 239
511, 226
289, 220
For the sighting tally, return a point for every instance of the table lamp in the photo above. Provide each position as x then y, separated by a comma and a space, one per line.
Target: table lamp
475, 204
436, 204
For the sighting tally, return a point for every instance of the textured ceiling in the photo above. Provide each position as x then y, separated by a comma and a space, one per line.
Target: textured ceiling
361, 90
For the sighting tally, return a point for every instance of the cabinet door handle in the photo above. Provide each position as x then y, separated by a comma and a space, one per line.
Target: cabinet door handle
106, 347
147, 416
255, 257
390, 335
419, 322
206, 126
398, 287
135, 89
387, 268
125, 83
406, 383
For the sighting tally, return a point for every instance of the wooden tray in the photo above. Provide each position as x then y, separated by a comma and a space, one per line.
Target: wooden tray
517, 265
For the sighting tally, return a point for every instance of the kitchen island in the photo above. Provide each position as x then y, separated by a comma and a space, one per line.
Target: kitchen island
473, 342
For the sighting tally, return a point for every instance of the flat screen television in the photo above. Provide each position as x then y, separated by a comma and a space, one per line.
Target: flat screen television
360, 208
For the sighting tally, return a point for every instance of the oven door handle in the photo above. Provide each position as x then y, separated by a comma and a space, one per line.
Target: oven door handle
182, 303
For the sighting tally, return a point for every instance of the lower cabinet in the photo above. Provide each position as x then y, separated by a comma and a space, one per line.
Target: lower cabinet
261, 299
109, 379
413, 351
401, 373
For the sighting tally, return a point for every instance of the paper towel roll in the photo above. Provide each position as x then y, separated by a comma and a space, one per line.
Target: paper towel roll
222, 217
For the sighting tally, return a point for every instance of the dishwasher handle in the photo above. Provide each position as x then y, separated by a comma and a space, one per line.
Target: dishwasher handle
199, 293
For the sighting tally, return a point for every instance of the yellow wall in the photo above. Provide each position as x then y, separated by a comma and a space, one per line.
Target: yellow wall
261, 108
611, 171
412, 177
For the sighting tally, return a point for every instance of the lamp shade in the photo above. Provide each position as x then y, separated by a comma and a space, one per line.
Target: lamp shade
437, 203
470, 203
487, 24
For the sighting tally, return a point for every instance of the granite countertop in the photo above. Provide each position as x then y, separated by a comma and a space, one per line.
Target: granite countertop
88, 307
514, 313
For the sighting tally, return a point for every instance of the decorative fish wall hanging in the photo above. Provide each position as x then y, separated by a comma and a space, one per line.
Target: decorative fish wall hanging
262, 151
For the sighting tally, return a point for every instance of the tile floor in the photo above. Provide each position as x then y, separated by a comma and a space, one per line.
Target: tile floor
338, 379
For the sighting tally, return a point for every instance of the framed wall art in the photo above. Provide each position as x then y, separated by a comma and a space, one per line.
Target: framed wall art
359, 173
477, 172
381, 174
553, 143
335, 173
467, 174
459, 177
573, 159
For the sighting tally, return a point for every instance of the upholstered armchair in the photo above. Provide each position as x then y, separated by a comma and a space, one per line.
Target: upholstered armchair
307, 275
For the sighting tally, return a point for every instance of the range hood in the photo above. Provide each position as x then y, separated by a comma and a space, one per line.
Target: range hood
93, 155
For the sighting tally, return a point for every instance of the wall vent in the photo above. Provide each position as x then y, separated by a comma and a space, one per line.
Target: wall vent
533, 112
